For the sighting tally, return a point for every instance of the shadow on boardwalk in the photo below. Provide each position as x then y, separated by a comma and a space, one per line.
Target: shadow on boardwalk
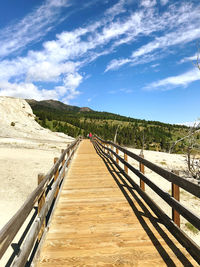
131, 195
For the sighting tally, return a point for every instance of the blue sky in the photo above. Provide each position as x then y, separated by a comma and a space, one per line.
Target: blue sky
128, 57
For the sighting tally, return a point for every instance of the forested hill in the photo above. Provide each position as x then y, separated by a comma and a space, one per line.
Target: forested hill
75, 121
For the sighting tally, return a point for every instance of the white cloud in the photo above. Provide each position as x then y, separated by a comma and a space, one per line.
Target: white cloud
126, 91
60, 60
173, 38
175, 81
155, 65
68, 90
181, 23
118, 8
60, 57
72, 81
148, 3
47, 71
31, 28
189, 59
116, 64
58, 3
122, 90
164, 2
26, 90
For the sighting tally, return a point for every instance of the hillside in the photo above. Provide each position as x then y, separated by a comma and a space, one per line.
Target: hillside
18, 125
26, 149
56, 105
74, 121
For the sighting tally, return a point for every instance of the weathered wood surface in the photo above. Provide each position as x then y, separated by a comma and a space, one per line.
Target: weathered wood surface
171, 177
176, 195
95, 225
180, 208
9, 231
41, 202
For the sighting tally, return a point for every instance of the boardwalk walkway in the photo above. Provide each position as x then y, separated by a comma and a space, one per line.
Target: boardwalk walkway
98, 222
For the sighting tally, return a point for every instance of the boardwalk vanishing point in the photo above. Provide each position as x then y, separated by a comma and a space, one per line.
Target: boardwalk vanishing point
98, 222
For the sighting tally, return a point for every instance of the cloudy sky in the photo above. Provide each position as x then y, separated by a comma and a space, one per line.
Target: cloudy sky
125, 56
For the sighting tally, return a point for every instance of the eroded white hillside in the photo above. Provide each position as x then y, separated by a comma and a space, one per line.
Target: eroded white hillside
18, 121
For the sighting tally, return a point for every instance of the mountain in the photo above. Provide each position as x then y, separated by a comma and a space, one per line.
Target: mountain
57, 105
74, 121
17, 122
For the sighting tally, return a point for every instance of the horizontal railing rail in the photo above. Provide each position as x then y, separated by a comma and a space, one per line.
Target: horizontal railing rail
107, 149
170, 176
10, 230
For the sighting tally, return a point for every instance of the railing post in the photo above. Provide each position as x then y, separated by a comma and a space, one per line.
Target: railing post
41, 202
68, 153
117, 152
176, 195
126, 159
101, 142
111, 154
108, 146
55, 177
142, 184
106, 150
63, 163
103, 146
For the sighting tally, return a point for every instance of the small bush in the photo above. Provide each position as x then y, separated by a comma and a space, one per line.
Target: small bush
12, 123
191, 227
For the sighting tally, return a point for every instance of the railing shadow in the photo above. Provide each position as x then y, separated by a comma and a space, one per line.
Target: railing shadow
124, 187
16, 246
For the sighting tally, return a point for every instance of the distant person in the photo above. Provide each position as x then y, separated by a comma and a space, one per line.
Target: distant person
90, 135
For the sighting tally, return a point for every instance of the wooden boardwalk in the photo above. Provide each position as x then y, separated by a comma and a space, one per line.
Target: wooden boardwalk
98, 222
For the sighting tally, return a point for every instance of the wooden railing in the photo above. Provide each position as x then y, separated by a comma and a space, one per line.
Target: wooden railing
43, 197
111, 151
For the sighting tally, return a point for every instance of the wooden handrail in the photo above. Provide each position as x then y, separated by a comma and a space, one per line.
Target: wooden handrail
9, 231
179, 234
171, 177
32, 235
189, 215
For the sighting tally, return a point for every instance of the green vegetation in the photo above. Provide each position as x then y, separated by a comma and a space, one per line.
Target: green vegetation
163, 162
76, 121
193, 229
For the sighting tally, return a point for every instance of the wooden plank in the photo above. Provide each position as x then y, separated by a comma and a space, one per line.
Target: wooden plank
41, 202
91, 226
188, 243
126, 160
56, 176
176, 195
184, 211
117, 152
28, 244
63, 162
9, 231
141, 166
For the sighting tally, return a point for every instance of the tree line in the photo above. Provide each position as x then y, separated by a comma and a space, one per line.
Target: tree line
131, 132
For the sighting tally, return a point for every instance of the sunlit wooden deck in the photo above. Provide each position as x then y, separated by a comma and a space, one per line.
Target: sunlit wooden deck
94, 224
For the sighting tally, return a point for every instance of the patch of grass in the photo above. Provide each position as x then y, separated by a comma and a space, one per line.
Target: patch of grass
163, 163
184, 193
193, 229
